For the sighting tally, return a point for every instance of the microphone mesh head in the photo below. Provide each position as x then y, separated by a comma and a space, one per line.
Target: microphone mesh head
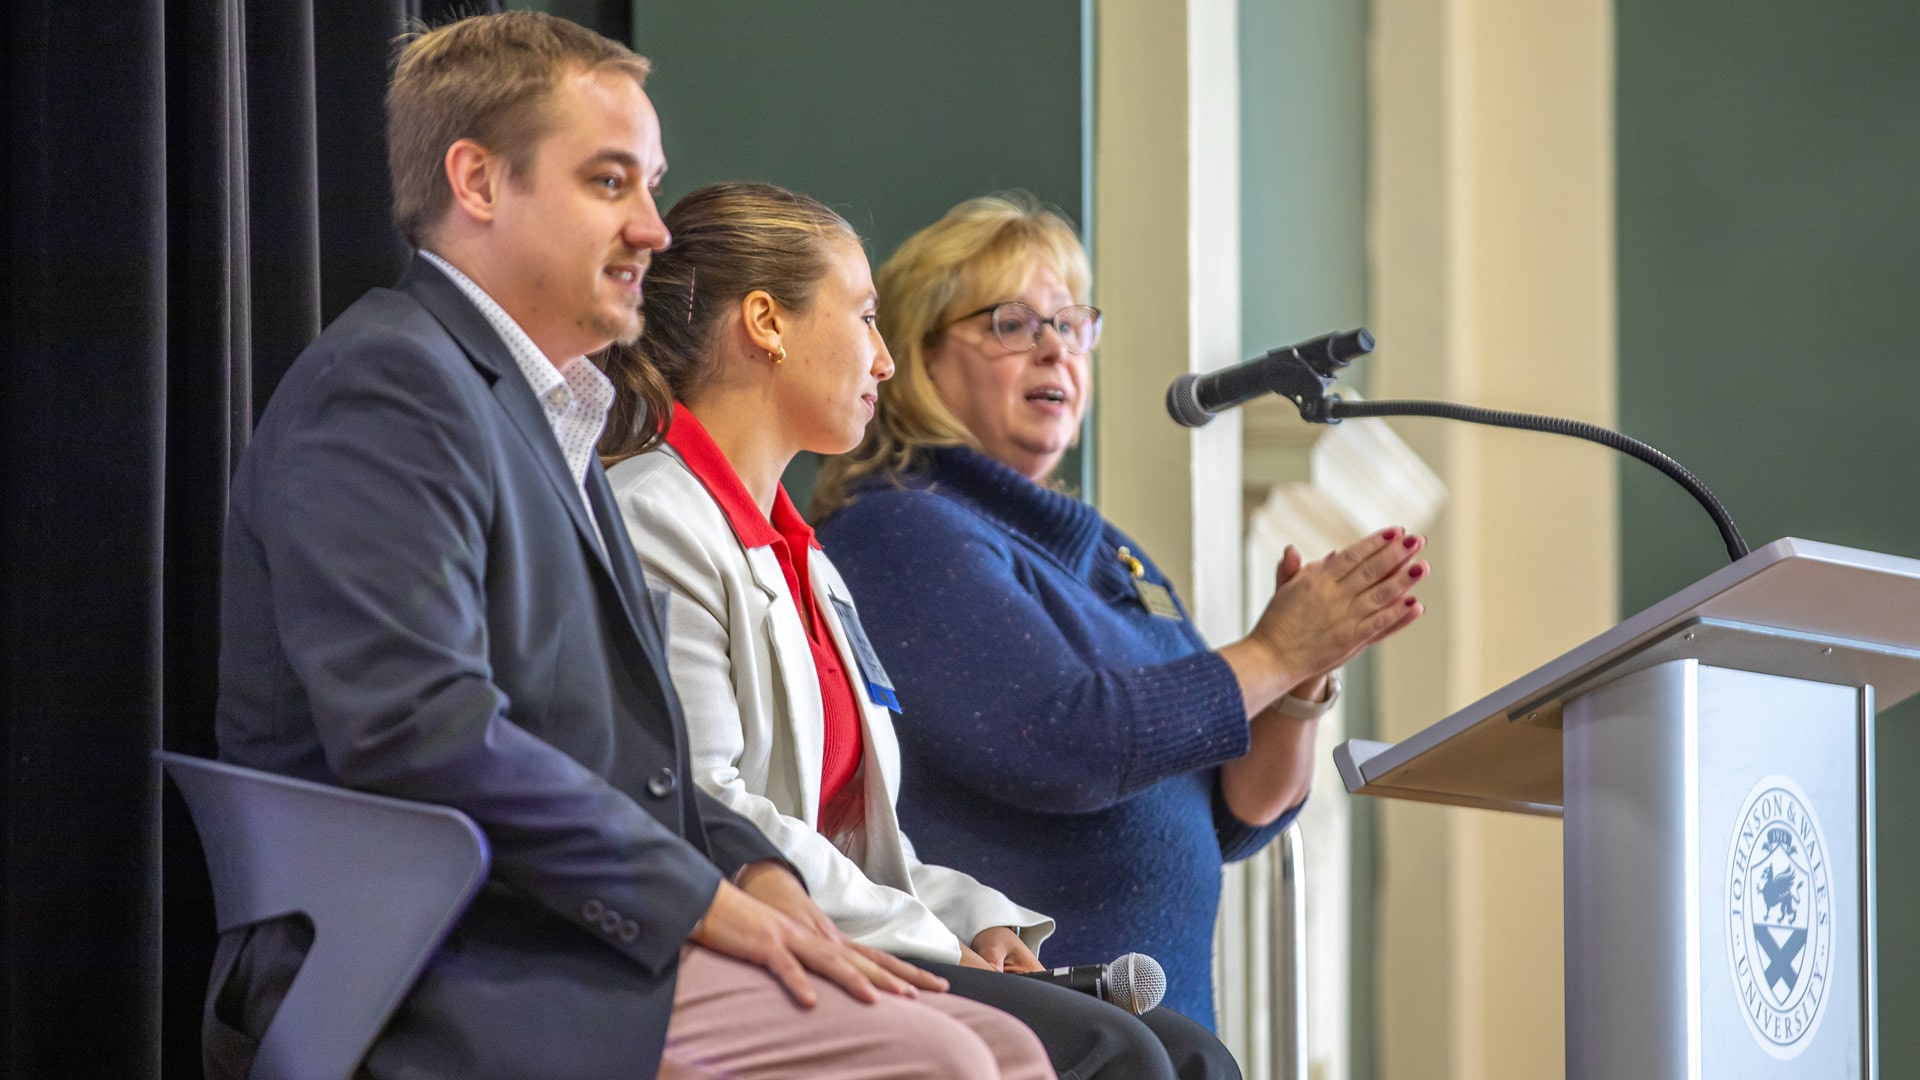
1183, 402
1138, 982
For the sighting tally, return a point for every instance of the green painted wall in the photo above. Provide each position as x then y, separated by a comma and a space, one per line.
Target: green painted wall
1303, 170
1303, 267
1769, 260
891, 112
888, 111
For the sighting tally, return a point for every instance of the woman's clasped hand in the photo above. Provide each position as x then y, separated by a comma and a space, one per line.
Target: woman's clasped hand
1324, 613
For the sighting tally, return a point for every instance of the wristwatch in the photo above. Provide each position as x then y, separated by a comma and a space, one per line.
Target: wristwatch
1302, 709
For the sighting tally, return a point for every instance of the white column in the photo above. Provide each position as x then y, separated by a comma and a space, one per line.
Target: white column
1166, 251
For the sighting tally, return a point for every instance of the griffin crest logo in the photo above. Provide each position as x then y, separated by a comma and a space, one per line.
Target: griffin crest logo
1779, 906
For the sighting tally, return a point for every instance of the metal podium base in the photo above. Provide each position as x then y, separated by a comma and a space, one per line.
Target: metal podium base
1719, 873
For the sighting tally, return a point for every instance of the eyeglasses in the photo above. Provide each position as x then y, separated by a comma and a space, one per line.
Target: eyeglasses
1016, 326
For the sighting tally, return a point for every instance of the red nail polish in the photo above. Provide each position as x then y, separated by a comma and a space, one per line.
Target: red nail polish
1411, 601
1410, 541
1416, 572
1390, 534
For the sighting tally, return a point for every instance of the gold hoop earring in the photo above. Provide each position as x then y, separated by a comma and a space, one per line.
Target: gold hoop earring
778, 358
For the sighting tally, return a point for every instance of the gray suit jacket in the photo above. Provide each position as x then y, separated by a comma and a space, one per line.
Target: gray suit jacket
413, 603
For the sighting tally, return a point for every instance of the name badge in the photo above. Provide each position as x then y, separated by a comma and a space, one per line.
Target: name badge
1155, 597
879, 686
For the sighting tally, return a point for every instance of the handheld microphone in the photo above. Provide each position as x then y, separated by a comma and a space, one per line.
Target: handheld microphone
1193, 398
1135, 982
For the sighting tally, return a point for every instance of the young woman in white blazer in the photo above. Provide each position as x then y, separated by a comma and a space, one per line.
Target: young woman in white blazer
760, 342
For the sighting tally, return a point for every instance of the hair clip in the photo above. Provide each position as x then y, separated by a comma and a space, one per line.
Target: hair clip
693, 279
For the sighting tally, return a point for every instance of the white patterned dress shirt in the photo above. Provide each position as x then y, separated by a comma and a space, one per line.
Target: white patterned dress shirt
575, 395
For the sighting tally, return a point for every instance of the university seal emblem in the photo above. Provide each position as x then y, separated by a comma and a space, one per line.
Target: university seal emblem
1779, 905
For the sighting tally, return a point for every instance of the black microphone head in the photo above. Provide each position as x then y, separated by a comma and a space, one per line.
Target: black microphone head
1136, 982
1183, 402
1329, 354
1356, 342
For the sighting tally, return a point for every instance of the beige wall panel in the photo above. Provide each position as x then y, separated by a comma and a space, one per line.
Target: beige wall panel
1141, 275
1167, 269
1418, 998
1493, 228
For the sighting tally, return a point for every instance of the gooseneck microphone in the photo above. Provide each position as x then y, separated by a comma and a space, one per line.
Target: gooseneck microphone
1193, 399
1304, 375
1135, 982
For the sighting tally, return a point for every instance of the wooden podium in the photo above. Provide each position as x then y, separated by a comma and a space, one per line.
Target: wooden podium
1712, 760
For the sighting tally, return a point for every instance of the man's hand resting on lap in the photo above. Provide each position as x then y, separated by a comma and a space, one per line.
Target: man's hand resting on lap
769, 920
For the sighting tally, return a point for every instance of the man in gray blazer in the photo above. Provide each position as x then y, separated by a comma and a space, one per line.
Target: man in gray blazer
428, 593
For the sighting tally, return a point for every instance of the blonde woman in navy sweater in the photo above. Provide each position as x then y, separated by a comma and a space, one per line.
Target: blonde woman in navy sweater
759, 343
1053, 689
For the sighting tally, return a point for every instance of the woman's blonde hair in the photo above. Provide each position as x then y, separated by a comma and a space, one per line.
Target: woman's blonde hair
983, 251
728, 240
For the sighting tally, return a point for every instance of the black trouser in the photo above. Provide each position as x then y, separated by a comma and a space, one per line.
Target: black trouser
1088, 1039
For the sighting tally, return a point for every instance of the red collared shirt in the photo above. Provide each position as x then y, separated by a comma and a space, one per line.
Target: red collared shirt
792, 541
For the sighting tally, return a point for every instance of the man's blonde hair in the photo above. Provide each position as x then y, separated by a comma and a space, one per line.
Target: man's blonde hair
982, 252
489, 78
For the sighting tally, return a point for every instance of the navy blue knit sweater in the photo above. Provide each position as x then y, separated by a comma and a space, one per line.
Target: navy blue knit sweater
1058, 741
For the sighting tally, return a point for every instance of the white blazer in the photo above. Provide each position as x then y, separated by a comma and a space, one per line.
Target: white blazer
740, 661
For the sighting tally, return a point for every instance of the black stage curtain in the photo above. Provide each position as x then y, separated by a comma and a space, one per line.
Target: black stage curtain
192, 188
